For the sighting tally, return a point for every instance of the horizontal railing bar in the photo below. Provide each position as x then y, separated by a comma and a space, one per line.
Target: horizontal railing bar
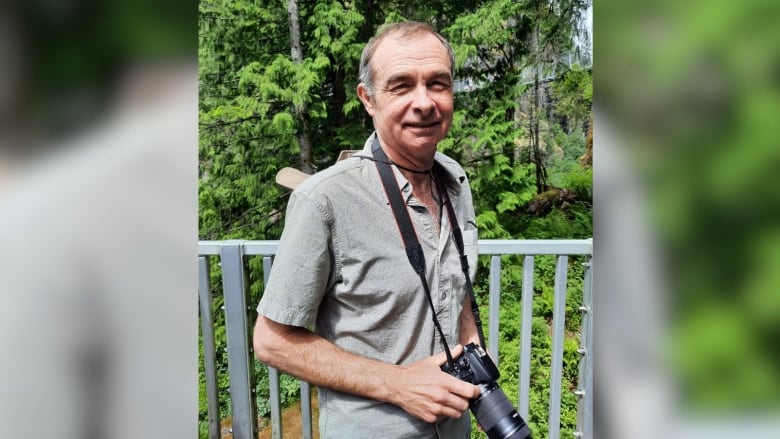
206, 248
261, 248
254, 248
535, 246
485, 247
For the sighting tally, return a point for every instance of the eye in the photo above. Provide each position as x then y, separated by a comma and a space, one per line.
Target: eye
398, 87
440, 85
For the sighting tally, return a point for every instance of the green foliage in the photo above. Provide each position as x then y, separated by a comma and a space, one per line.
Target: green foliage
580, 182
573, 94
289, 390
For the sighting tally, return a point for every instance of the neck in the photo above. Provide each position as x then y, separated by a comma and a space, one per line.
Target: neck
412, 171
418, 180
425, 190
409, 161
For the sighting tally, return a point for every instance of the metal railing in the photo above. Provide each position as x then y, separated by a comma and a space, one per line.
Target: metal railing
232, 258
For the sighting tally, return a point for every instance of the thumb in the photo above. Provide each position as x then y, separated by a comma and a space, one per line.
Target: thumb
441, 357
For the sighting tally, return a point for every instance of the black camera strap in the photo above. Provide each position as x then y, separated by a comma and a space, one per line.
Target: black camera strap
412, 245
464, 262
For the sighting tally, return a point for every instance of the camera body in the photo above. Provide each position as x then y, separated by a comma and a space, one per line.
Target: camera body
473, 366
492, 408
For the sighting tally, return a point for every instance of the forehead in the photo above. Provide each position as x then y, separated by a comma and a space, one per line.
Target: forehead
421, 52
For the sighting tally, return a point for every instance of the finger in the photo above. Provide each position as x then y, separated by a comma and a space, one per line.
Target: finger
441, 358
453, 407
454, 413
457, 403
465, 390
456, 351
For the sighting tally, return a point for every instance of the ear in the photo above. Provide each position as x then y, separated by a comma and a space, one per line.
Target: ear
368, 101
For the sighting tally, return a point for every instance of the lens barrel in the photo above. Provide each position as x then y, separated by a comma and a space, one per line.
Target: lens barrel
497, 416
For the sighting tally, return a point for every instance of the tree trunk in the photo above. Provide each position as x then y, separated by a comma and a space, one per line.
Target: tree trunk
304, 136
367, 29
366, 32
336, 109
536, 114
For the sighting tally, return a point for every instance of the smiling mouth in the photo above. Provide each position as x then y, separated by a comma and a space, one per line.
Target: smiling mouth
422, 125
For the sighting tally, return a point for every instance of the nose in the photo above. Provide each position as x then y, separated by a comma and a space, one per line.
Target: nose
422, 101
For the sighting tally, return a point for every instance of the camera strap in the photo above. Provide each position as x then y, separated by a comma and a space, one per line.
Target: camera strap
464, 262
412, 245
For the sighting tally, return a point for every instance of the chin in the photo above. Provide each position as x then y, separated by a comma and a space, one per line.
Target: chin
424, 142
420, 139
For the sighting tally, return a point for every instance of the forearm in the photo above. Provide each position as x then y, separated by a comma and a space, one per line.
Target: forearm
309, 357
420, 388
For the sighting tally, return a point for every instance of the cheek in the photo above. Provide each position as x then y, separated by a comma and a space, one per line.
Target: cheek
447, 110
446, 104
396, 111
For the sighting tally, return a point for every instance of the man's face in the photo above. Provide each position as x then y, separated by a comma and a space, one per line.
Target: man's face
412, 102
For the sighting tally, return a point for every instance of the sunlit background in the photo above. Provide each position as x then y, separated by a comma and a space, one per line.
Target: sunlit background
98, 219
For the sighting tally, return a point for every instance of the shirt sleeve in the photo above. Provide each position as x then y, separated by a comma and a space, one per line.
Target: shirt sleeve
303, 266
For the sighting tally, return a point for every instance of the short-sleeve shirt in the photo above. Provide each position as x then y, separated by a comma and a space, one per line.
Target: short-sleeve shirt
341, 269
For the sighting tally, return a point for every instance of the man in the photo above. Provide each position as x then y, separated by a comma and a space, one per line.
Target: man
342, 269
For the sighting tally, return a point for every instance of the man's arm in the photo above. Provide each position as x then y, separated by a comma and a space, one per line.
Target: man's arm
420, 388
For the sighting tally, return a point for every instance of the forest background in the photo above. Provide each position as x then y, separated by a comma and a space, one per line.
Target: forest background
277, 88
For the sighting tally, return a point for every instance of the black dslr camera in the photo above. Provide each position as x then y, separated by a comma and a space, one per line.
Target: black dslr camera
492, 408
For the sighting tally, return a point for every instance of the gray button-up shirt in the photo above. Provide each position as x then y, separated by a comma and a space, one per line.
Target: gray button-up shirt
342, 269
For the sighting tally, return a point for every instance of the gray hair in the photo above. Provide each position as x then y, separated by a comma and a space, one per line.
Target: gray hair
404, 30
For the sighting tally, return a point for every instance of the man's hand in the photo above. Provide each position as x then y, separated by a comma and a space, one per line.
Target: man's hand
426, 392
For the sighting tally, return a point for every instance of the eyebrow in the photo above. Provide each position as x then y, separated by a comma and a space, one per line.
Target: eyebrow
442, 75
401, 77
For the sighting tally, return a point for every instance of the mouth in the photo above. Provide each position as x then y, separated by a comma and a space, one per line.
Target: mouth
423, 125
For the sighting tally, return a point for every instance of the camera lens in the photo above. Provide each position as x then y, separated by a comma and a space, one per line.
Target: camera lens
497, 416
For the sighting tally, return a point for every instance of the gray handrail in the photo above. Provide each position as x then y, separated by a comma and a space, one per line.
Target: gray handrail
232, 255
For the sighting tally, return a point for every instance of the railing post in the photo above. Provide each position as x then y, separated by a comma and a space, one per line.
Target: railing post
585, 391
209, 354
526, 324
274, 393
558, 330
495, 305
239, 352
306, 410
